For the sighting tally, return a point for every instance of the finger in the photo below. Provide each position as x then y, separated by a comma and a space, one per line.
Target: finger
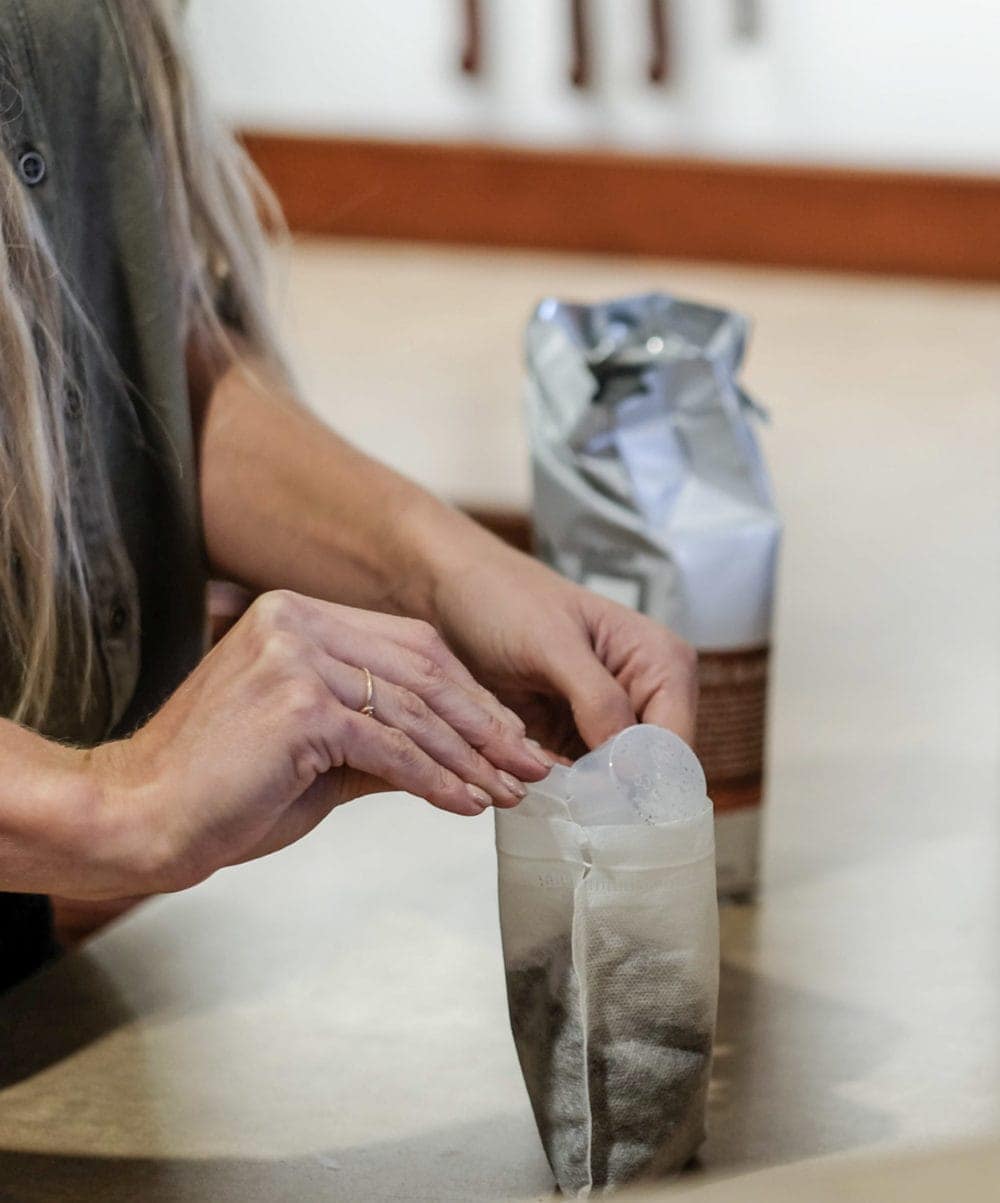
391, 755
675, 708
658, 670
326, 793
407, 712
415, 636
662, 679
480, 726
601, 707
301, 817
422, 638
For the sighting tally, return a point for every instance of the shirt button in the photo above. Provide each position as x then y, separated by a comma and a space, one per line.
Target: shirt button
31, 167
74, 403
117, 618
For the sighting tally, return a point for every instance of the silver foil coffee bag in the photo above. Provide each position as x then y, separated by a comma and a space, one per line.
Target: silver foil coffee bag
650, 488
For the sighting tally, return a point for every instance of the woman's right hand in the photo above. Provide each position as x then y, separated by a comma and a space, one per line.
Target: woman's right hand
265, 737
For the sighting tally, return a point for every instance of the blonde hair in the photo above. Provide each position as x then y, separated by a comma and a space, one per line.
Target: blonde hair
213, 200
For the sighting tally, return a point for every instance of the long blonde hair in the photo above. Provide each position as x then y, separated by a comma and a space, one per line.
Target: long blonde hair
212, 205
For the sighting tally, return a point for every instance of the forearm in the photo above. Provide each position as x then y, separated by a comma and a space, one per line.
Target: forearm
288, 503
56, 833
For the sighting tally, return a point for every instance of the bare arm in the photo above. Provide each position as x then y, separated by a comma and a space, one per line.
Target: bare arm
288, 503
56, 833
264, 738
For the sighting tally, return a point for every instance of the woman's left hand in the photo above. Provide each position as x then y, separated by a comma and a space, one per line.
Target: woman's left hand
576, 667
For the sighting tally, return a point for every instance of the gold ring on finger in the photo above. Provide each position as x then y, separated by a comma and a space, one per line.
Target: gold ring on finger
367, 707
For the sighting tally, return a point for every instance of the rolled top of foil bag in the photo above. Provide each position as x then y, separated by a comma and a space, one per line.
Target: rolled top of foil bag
634, 382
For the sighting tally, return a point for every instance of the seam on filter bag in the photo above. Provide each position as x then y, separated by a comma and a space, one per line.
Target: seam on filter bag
579, 930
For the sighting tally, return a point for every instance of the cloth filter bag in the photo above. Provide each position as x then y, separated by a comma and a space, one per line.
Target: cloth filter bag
609, 923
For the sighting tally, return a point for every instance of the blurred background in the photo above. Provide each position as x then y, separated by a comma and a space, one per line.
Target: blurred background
902, 82
624, 136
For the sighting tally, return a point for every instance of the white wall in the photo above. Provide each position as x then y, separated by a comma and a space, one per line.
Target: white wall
884, 81
332, 64
911, 80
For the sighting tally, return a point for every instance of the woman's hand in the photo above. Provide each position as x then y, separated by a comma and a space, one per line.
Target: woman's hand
577, 667
265, 738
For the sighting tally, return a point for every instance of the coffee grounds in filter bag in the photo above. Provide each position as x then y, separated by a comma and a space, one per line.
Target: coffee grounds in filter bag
543, 996
617, 1082
611, 956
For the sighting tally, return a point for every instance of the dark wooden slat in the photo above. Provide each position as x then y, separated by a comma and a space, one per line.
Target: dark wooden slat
580, 70
801, 216
659, 38
472, 49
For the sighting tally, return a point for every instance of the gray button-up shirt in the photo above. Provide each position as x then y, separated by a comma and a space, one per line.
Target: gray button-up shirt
72, 122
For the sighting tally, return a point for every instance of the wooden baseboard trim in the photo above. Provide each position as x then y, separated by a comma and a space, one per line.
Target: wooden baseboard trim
794, 216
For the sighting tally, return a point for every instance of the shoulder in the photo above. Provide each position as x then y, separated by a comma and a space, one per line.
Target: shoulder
48, 21
54, 43
67, 62
57, 17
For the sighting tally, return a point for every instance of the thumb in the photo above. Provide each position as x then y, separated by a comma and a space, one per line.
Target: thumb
327, 792
601, 707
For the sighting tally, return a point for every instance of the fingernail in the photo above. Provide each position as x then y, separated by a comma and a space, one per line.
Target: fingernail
479, 796
512, 783
540, 757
